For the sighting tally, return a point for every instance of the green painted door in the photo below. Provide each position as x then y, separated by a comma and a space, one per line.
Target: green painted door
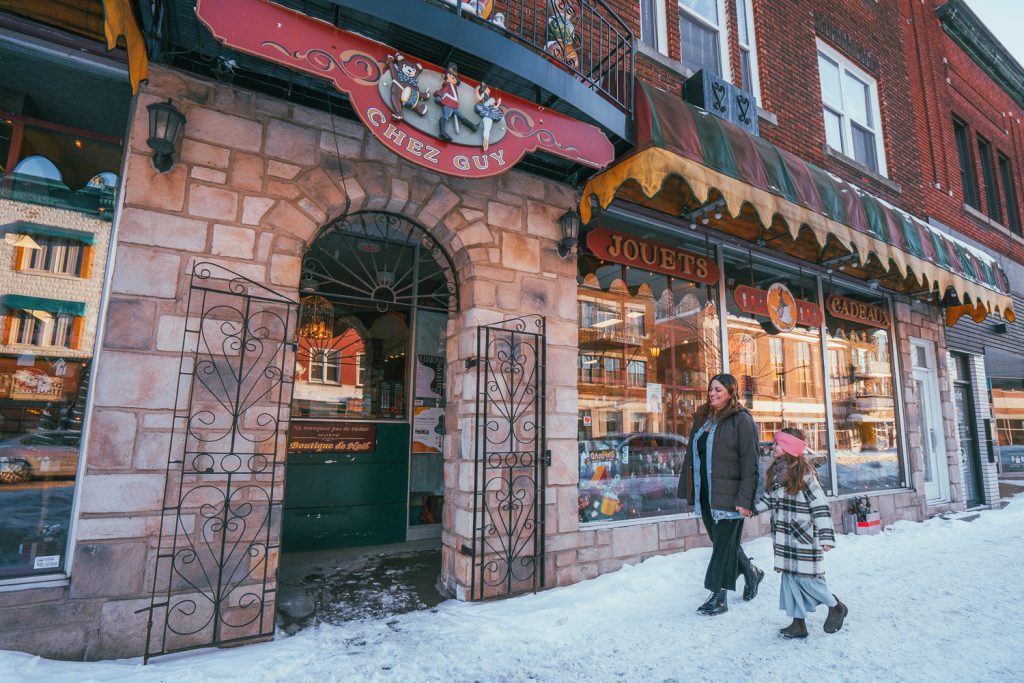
337, 500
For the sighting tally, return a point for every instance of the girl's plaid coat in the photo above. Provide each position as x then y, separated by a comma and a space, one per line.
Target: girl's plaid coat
800, 524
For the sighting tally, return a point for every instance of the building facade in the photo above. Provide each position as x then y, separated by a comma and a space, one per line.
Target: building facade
420, 271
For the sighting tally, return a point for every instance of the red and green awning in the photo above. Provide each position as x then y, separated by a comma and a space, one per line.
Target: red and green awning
693, 156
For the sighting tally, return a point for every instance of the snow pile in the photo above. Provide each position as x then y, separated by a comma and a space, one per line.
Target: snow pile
934, 601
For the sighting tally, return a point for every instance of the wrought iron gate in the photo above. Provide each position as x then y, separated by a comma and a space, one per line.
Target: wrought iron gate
510, 459
212, 582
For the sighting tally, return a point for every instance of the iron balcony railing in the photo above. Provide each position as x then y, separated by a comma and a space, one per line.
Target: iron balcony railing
585, 37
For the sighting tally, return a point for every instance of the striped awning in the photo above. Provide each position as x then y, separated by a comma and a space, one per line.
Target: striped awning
686, 158
36, 303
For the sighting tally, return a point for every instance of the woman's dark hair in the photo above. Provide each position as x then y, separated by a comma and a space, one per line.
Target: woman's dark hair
799, 468
733, 387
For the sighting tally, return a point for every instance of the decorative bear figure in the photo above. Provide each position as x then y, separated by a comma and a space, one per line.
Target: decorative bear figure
405, 87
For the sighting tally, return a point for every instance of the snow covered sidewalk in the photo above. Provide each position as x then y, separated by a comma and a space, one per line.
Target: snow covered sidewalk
939, 601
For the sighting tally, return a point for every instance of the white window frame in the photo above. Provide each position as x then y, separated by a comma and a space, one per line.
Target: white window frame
723, 35
660, 25
322, 361
751, 49
846, 130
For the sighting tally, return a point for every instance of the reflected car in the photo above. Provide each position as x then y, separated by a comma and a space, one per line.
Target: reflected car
39, 455
1012, 458
625, 476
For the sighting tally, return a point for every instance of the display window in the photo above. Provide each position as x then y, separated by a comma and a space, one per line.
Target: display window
774, 343
867, 449
649, 342
42, 401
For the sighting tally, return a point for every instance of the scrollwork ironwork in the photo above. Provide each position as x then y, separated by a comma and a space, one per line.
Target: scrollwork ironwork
508, 542
212, 582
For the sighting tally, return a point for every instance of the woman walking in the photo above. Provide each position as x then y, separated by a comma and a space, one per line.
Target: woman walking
723, 465
801, 533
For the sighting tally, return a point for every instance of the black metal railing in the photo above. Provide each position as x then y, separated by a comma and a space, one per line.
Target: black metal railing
586, 37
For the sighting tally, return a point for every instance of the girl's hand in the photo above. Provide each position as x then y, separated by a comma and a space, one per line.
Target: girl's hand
826, 548
744, 511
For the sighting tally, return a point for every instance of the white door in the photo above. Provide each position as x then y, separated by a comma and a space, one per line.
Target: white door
933, 442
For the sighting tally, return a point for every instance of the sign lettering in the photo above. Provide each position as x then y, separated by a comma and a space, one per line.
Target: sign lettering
659, 258
856, 311
332, 437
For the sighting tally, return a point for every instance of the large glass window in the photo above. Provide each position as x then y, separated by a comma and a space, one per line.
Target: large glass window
702, 36
988, 175
652, 24
748, 50
963, 153
779, 373
863, 404
850, 105
649, 344
1009, 194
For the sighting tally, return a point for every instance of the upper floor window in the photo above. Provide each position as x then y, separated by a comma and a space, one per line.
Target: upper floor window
748, 51
324, 368
963, 152
653, 25
988, 176
702, 36
56, 255
40, 328
850, 104
1009, 194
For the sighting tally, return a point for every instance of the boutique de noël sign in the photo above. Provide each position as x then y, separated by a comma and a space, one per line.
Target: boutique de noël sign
427, 114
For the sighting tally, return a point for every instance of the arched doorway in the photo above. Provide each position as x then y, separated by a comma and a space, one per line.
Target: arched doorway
365, 461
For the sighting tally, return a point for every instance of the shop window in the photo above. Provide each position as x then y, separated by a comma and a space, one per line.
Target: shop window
702, 36
867, 455
850, 105
56, 255
748, 50
966, 159
649, 344
1009, 195
778, 372
988, 176
43, 329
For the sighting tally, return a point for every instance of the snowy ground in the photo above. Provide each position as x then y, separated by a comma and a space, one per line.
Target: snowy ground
939, 601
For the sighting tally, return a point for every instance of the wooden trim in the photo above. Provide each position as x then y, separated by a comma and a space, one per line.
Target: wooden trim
7, 328
21, 258
76, 332
86, 270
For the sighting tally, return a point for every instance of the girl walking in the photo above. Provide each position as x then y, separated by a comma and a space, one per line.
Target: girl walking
801, 533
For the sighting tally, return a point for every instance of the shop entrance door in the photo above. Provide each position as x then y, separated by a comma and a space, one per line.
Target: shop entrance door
933, 442
963, 399
365, 462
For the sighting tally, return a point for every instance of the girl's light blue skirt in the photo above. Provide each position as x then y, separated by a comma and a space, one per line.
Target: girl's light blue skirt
802, 594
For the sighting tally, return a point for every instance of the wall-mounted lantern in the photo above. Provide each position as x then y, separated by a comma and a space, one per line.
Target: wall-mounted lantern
570, 223
165, 126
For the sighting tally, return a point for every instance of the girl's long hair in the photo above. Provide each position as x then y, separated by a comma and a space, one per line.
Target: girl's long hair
731, 386
799, 468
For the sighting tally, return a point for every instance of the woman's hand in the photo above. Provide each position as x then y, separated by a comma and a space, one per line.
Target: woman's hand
826, 548
744, 511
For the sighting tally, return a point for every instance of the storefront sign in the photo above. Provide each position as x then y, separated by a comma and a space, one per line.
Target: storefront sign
856, 311
426, 114
332, 437
427, 429
756, 302
652, 256
32, 384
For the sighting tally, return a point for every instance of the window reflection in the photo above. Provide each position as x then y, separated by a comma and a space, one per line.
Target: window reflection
863, 403
779, 374
648, 345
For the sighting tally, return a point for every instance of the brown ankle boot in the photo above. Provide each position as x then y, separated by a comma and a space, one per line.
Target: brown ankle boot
836, 615
798, 629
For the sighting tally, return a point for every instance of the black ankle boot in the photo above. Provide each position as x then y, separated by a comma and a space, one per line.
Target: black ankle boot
716, 604
798, 629
836, 615
753, 577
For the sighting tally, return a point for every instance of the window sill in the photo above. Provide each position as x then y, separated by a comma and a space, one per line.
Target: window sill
861, 168
47, 273
30, 582
985, 220
663, 60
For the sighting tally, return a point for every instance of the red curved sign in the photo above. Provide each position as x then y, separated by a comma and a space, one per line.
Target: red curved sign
360, 68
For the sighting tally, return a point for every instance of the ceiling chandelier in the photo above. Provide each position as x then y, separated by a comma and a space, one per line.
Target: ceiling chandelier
316, 324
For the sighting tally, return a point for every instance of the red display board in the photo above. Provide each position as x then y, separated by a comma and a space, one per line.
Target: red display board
652, 256
426, 114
